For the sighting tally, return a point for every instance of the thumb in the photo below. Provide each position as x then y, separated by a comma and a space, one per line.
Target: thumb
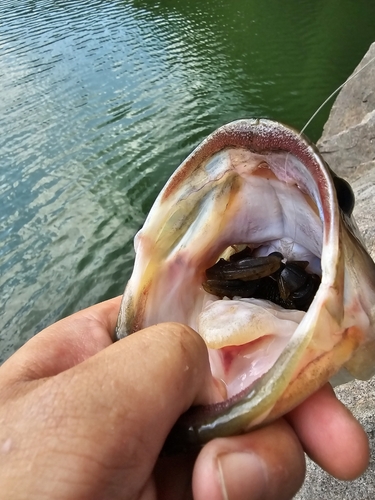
110, 414
127, 397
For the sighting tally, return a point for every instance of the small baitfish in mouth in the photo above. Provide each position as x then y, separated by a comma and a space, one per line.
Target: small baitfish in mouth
286, 284
252, 243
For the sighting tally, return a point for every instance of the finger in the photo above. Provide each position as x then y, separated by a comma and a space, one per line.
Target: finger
108, 417
265, 464
330, 435
123, 401
65, 343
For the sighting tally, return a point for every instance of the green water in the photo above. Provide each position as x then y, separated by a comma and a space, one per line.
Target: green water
101, 100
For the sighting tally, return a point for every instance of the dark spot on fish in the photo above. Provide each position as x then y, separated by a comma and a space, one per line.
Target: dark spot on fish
344, 193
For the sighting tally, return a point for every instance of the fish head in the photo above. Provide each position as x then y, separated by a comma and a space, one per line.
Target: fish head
259, 185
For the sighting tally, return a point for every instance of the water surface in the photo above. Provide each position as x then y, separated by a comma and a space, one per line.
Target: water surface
101, 100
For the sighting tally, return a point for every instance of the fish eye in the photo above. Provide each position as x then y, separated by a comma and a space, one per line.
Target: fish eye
345, 195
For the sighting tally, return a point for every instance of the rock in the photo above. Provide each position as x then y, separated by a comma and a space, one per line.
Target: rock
348, 145
355, 100
348, 149
363, 184
349, 135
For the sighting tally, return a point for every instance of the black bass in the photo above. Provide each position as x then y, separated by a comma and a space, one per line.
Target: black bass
252, 244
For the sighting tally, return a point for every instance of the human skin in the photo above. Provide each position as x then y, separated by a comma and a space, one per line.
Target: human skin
83, 418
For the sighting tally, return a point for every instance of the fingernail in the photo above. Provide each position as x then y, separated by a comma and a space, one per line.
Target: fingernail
242, 474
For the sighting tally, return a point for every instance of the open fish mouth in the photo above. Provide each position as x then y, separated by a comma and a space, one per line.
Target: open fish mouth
252, 243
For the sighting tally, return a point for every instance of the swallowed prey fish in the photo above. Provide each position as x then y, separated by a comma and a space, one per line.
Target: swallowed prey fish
253, 220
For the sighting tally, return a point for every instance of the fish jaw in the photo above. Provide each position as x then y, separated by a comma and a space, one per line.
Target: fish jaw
359, 300
258, 183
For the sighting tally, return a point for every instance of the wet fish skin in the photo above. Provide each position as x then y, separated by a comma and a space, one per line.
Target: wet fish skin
335, 338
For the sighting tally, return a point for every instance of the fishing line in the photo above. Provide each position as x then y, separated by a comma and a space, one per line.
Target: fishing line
286, 248
353, 75
335, 92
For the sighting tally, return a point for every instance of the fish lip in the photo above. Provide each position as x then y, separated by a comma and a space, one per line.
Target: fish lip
261, 135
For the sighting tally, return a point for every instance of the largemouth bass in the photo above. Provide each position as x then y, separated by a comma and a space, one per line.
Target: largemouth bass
252, 243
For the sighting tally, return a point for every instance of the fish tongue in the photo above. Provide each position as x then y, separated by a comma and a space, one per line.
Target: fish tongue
245, 337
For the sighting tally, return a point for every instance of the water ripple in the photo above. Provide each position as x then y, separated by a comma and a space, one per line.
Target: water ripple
101, 101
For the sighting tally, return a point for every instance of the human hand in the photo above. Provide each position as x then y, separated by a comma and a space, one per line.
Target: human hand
82, 418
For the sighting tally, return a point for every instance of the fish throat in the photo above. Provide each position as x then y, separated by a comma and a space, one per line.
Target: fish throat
261, 285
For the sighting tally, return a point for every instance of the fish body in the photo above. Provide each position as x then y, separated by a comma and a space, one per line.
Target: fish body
261, 186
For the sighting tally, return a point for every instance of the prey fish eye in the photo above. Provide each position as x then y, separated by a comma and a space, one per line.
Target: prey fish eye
252, 244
